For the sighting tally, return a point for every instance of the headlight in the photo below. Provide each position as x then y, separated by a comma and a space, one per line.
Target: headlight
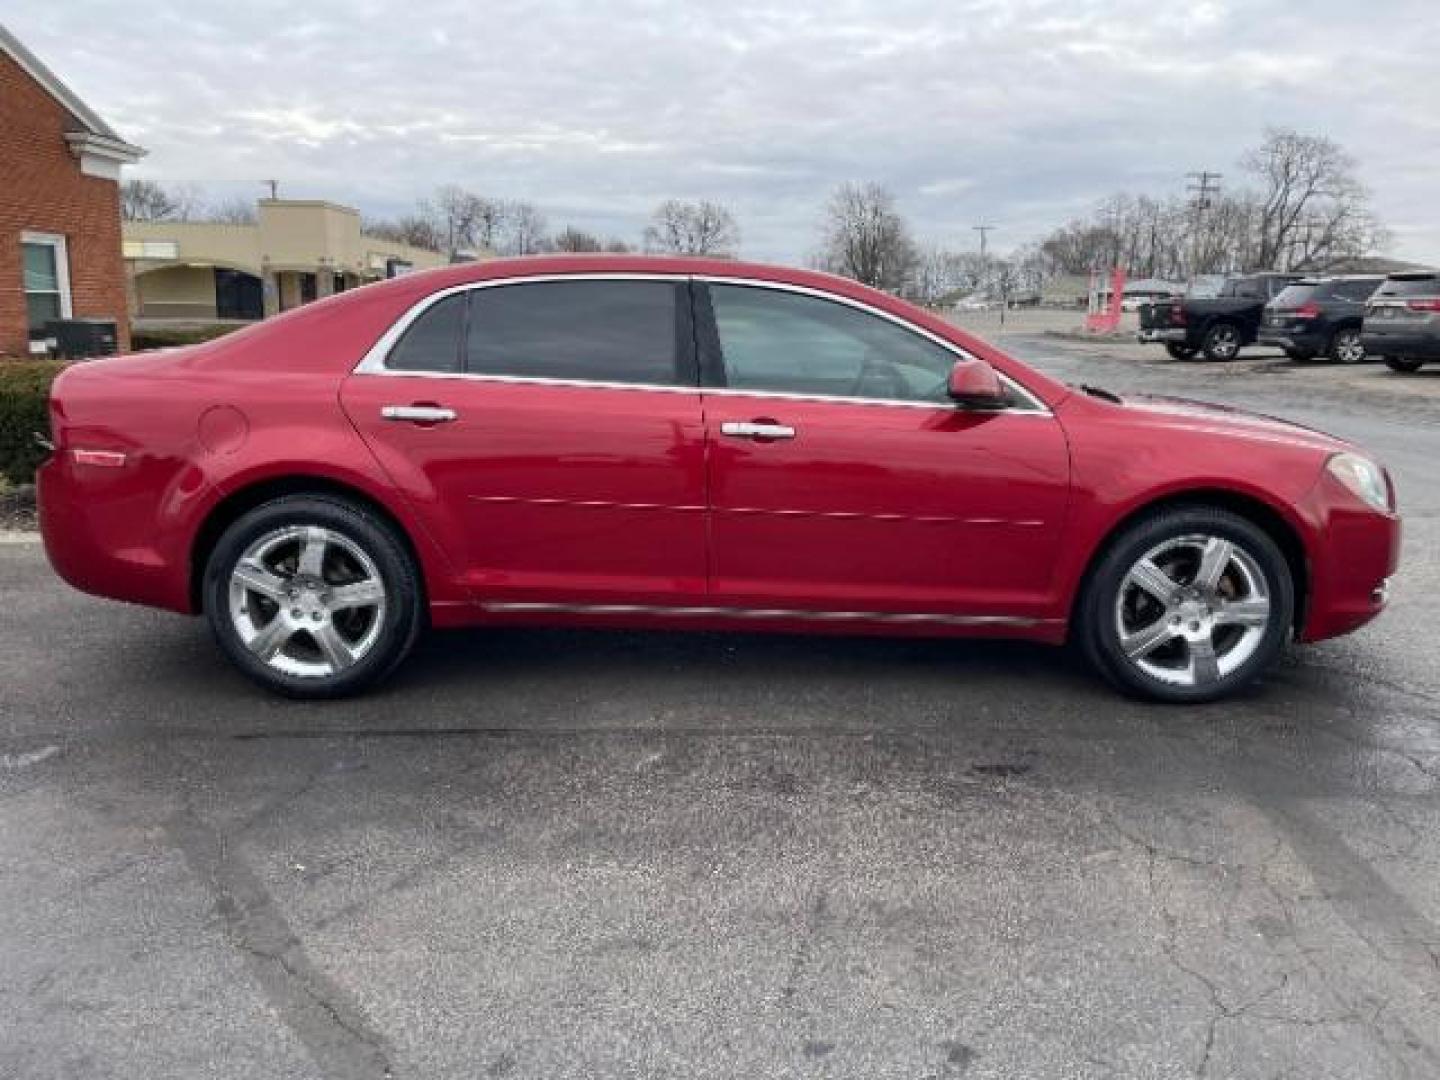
1363, 477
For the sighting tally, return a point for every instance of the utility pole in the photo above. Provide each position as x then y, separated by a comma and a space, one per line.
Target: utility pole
983, 230
1203, 187
274, 186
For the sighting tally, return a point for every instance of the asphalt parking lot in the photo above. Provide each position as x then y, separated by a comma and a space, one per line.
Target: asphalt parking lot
557, 854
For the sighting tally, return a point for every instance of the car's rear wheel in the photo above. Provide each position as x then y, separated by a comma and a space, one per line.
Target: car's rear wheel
1222, 342
1187, 605
1346, 346
1300, 356
1180, 351
1403, 364
312, 596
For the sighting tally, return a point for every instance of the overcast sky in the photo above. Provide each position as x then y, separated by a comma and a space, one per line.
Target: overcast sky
1018, 113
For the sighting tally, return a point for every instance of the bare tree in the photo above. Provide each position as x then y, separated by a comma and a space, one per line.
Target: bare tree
865, 238
523, 231
616, 246
145, 200
236, 210
699, 228
1311, 205
417, 230
1308, 211
572, 239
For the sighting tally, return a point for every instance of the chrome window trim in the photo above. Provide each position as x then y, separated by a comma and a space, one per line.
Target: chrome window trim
373, 362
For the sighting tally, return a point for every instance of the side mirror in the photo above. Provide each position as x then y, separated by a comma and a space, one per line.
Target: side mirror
974, 385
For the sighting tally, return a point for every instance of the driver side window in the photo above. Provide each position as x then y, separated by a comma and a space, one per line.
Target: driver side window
785, 342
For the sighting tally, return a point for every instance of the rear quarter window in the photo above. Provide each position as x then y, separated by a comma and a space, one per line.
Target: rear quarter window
432, 341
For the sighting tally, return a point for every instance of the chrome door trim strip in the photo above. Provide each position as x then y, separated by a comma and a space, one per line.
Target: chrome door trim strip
702, 612
373, 362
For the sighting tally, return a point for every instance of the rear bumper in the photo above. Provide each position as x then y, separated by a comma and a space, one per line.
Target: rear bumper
107, 533
1174, 334
1419, 346
1307, 340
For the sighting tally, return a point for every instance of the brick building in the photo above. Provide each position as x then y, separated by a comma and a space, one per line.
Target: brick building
60, 249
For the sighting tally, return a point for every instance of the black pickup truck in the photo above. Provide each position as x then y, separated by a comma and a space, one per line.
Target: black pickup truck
1218, 326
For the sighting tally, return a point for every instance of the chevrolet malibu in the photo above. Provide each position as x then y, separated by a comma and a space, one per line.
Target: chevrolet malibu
666, 443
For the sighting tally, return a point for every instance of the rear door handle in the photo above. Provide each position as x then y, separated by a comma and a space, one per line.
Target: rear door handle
418, 414
754, 430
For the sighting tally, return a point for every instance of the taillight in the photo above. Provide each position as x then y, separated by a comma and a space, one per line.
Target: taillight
1430, 303
1306, 311
1177, 314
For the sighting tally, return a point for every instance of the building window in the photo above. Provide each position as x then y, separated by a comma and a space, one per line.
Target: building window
47, 281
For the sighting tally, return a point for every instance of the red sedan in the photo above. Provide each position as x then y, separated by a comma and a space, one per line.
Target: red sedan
610, 441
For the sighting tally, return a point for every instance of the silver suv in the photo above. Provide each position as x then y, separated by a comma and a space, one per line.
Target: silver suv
1402, 321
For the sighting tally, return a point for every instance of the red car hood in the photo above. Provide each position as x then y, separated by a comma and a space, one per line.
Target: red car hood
1222, 419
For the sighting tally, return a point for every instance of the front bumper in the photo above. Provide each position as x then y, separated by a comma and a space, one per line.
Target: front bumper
1170, 334
1357, 554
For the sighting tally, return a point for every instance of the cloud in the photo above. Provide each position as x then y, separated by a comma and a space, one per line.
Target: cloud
1013, 112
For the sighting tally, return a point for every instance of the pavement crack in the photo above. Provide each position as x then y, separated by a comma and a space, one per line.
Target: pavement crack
317, 1010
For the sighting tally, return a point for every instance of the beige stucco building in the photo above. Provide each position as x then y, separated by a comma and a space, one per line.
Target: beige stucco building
297, 250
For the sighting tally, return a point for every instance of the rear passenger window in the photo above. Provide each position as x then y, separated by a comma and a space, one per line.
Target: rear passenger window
596, 331
432, 343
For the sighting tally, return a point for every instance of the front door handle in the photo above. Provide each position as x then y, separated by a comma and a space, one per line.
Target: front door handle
418, 414
756, 430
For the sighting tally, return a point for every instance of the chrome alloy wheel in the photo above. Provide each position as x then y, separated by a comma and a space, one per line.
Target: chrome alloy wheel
307, 601
1192, 610
1348, 348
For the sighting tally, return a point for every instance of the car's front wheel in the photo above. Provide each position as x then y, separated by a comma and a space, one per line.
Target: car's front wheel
1187, 605
313, 596
1403, 364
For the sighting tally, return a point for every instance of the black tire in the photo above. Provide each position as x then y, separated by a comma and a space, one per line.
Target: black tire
1404, 364
1223, 342
1100, 609
1346, 346
1179, 351
387, 629
1300, 356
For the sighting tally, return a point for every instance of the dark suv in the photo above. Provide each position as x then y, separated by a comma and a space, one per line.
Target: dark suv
1319, 317
1402, 321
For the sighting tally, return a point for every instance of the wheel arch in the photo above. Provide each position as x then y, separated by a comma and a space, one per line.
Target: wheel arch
241, 501
1254, 509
